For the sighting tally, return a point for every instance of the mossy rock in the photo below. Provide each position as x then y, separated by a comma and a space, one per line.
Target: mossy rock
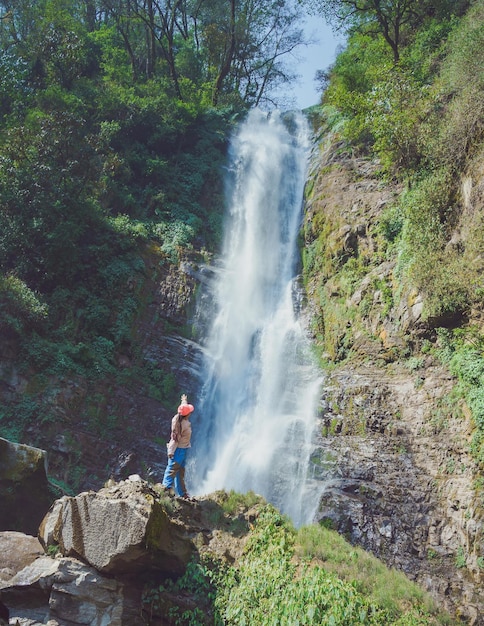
24, 488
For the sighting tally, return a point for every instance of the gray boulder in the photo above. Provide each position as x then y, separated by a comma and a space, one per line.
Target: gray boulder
16, 552
64, 591
121, 530
108, 545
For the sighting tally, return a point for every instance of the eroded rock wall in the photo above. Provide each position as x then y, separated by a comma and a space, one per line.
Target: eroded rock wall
392, 452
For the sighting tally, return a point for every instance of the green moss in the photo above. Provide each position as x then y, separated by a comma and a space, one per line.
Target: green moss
19, 461
158, 527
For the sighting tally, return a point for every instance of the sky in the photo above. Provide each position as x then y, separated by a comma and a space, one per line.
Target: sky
317, 56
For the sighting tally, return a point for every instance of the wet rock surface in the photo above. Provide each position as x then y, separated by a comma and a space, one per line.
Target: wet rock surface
398, 482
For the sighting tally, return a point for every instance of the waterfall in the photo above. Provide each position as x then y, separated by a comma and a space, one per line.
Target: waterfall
256, 411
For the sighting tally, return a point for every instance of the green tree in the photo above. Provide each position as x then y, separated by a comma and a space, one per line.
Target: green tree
246, 44
390, 18
237, 49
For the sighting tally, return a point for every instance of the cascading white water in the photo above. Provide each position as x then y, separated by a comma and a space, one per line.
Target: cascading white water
257, 408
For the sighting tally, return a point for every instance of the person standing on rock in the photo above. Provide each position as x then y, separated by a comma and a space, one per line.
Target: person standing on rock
181, 433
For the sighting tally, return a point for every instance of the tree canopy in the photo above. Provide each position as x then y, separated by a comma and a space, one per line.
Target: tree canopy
393, 19
113, 123
224, 51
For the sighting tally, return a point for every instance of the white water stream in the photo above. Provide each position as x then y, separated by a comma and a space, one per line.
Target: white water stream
256, 413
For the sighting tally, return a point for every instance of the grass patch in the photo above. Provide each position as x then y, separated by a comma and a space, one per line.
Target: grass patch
388, 588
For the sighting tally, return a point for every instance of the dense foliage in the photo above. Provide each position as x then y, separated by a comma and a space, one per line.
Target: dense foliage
269, 585
114, 120
393, 21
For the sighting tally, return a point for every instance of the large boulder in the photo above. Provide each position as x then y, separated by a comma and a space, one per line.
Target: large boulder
27, 593
24, 489
16, 552
65, 591
120, 530
80, 595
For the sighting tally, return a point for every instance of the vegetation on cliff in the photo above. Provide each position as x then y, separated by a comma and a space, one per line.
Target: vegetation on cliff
284, 576
113, 127
114, 120
419, 115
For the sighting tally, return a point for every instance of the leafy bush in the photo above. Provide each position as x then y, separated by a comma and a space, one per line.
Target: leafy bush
466, 54
232, 501
20, 308
431, 267
424, 55
196, 581
269, 586
389, 589
454, 131
463, 351
353, 76
126, 227
22, 412
396, 107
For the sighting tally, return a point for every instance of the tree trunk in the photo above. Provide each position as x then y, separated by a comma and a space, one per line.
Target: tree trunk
151, 40
227, 63
90, 15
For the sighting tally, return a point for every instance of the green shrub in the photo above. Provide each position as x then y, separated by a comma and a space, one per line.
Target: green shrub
352, 78
267, 587
396, 107
460, 127
424, 55
435, 270
21, 309
20, 413
196, 581
128, 227
391, 223
233, 501
465, 57
388, 588
463, 351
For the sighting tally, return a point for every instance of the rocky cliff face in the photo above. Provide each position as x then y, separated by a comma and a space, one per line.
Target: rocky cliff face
394, 459
399, 482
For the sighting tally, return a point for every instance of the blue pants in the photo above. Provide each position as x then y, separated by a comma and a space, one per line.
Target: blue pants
175, 472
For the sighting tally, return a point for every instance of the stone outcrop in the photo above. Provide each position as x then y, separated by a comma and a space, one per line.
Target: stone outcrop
140, 536
107, 545
24, 489
67, 591
17, 550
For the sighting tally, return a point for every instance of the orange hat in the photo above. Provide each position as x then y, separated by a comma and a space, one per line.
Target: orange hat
185, 409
